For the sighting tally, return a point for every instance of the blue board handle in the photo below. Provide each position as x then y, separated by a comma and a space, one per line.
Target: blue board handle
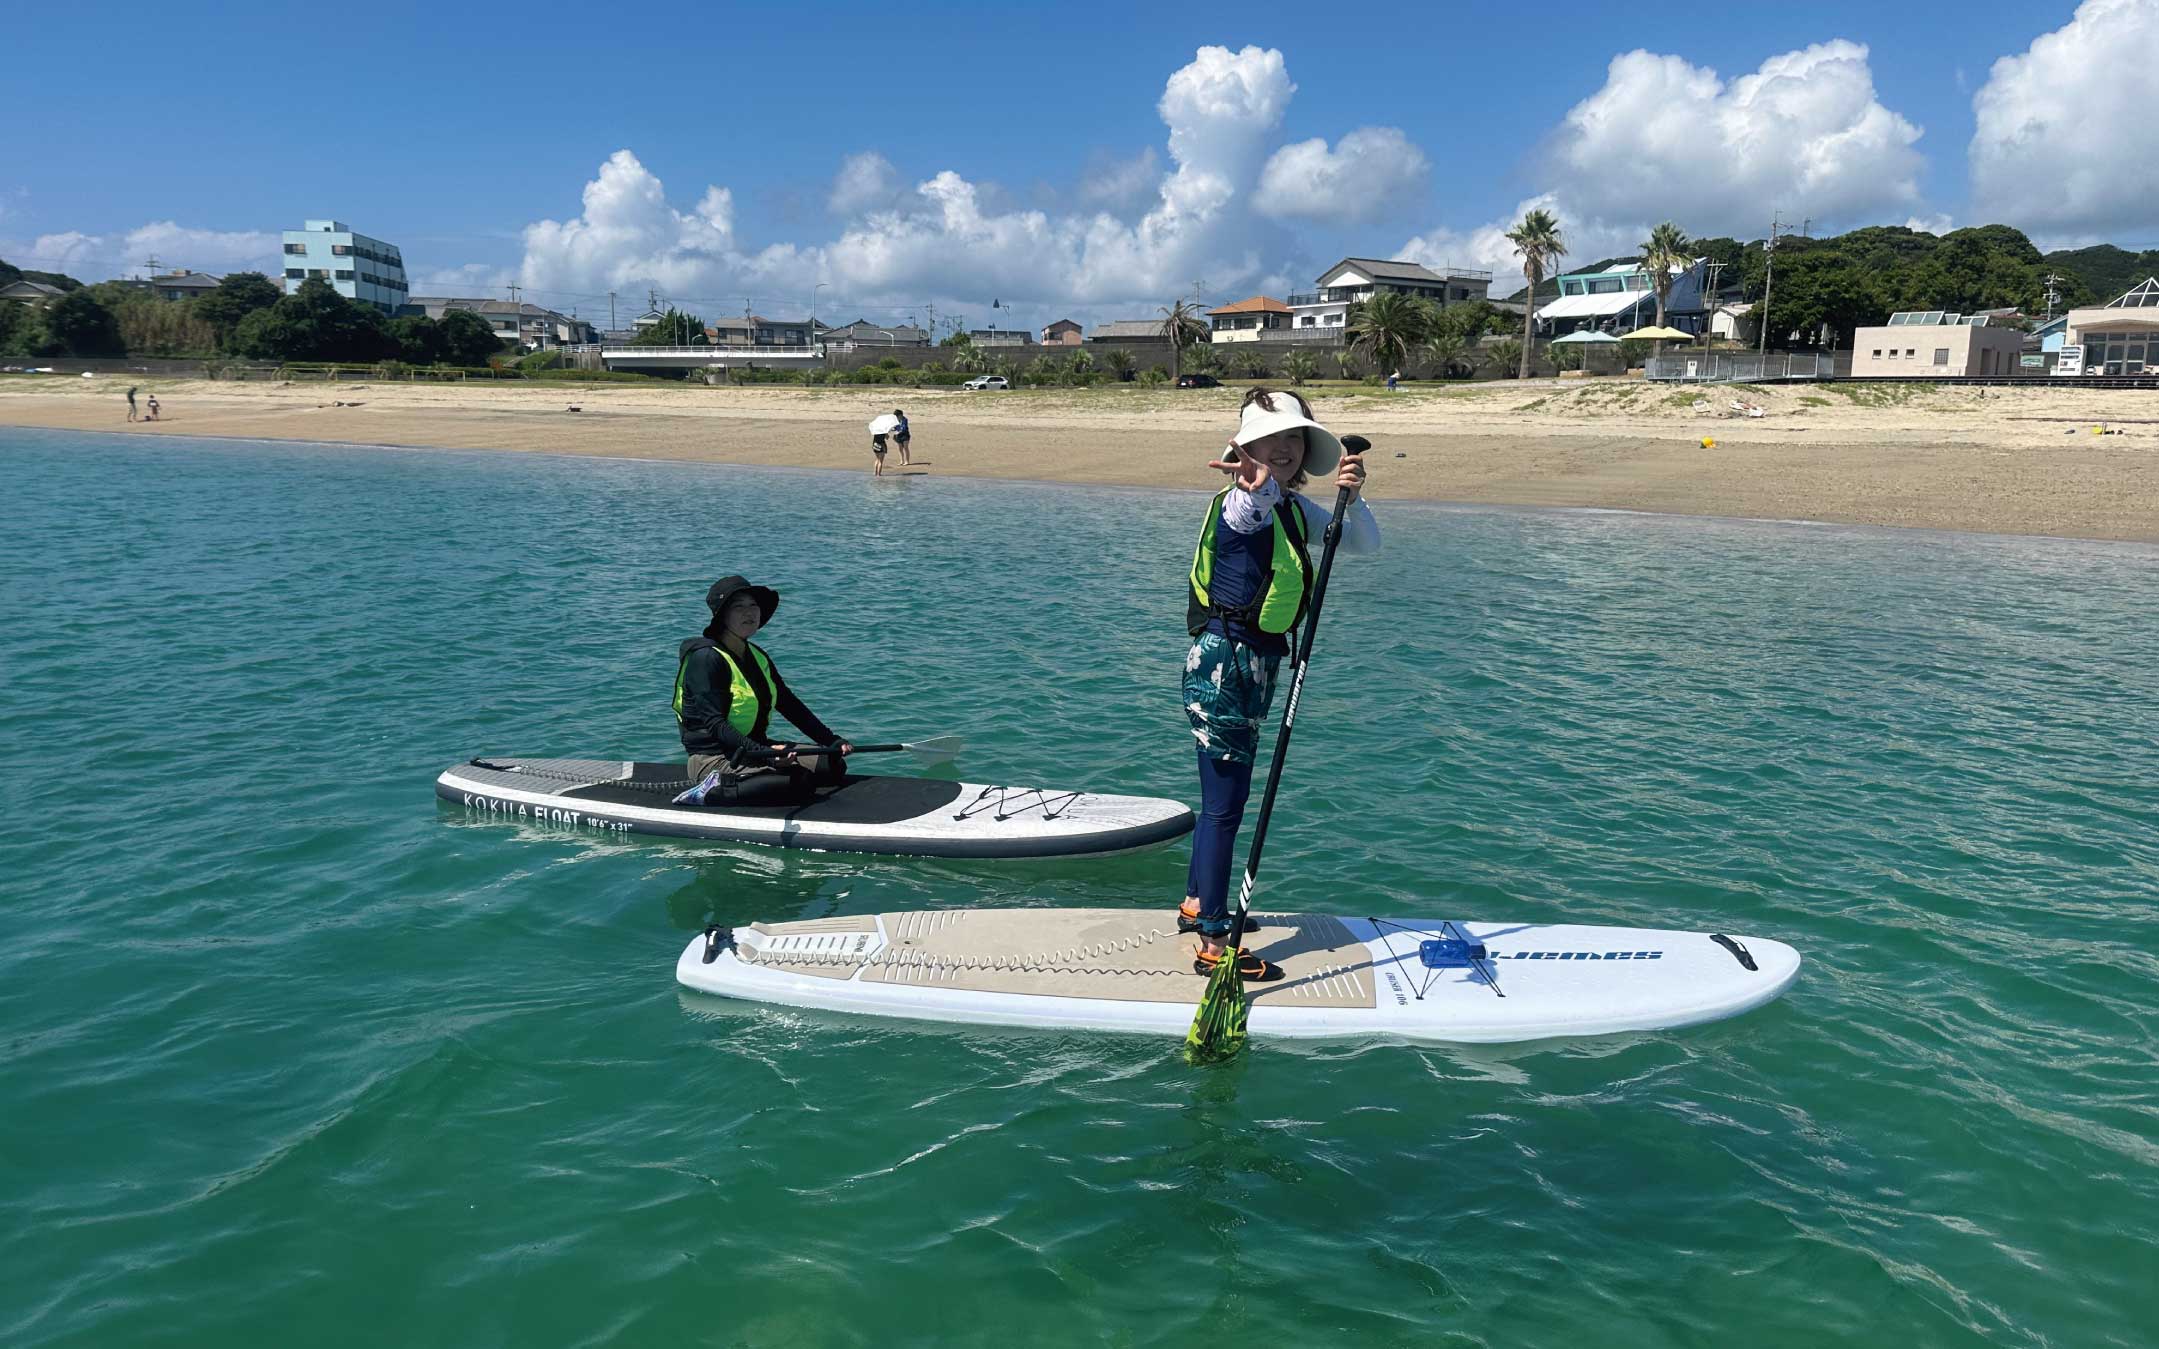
1447, 953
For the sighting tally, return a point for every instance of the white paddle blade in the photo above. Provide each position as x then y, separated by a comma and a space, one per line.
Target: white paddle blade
937, 749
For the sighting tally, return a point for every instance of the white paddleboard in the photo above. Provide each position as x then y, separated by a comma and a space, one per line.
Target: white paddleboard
1129, 970
920, 817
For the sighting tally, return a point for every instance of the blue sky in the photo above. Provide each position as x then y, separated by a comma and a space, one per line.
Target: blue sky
455, 131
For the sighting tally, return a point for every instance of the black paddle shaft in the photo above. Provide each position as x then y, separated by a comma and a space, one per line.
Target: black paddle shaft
1355, 445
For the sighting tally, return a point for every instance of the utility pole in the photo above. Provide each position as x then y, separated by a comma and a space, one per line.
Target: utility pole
2054, 294
1709, 299
931, 310
514, 288
610, 311
1769, 276
152, 263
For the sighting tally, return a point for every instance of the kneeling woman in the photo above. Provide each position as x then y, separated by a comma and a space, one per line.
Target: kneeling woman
726, 690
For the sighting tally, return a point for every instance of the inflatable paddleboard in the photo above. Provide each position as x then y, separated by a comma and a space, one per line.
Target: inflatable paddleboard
921, 817
1128, 970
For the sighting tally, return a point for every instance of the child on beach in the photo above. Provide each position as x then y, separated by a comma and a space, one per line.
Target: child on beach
1251, 580
901, 435
152, 405
877, 447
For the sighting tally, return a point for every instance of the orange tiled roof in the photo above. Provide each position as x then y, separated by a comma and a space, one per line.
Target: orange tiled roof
1258, 304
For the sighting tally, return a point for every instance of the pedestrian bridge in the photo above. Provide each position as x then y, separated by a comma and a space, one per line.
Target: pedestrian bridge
703, 357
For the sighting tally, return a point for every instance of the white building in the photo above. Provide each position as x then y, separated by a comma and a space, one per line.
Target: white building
2121, 338
1354, 279
357, 267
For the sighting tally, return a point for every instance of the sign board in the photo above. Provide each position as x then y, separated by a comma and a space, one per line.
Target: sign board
2069, 360
2032, 361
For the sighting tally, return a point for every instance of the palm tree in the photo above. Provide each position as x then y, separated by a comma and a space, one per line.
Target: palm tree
1443, 349
1121, 362
1300, 366
1539, 242
1203, 361
1385, 328
1251, 362
1182, 327
1667, 248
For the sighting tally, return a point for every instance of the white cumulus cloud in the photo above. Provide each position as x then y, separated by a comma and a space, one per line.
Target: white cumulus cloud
864, 180
1486, 246
1115, 184
2067, 141
95, 256
948, 236
1666, 139
1369, 172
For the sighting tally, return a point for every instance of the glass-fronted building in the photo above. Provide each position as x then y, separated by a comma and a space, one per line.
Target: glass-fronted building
357, 267
2121, 338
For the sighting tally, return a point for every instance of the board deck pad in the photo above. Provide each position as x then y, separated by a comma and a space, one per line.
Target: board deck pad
1130, 970
863, 813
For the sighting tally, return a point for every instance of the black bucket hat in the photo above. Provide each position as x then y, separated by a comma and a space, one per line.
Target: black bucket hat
727, 587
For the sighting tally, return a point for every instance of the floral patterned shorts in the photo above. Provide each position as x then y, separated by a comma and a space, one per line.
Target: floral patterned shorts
1228, 688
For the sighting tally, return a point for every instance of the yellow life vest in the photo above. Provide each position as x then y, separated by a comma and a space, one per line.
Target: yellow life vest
1289, 580
749, 704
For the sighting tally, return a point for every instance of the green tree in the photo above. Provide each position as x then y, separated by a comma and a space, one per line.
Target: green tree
1250, 361
1300, 366
1120, 362
1203, 361
1387, 327
1666, 248
418, 339
1539, 241
79, 326
1509, 354
314, 323
1081, 364
1183, 329
464, 338
674, 329
1153, 377
237, 296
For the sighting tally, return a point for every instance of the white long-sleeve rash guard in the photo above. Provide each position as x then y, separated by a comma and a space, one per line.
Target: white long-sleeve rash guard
1247, 512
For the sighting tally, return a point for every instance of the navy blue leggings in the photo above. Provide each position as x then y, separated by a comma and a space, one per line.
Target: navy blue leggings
1223, 789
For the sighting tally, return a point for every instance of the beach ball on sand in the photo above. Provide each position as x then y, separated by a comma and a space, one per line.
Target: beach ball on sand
1708, 443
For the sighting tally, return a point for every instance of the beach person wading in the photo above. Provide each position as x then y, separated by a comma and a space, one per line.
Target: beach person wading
1250, 582
726, 690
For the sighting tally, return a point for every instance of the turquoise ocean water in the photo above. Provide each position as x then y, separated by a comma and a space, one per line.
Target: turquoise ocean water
291, 1054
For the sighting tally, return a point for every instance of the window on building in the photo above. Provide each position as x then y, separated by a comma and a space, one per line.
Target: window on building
344, 274
1910, 352
291, 249
294, 273
1941, 355
1877, 353
319, 273
340, 250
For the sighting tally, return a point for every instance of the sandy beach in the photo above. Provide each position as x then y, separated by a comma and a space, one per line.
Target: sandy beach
2018, 461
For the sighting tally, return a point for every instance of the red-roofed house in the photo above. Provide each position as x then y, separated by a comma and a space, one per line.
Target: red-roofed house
1245, 320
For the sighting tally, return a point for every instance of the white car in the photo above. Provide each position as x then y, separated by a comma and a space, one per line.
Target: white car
988, 382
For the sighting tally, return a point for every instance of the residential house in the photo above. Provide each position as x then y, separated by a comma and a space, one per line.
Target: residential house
755, 330
1062, 333
2121, 338
1126, 330
530, 326
182, 285
1001, 337
863, 333
1356, 279
36, 294
1933, 344
1249, 320
1623, 297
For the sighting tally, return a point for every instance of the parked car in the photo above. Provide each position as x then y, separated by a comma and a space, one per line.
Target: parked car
987, 382
1198, 382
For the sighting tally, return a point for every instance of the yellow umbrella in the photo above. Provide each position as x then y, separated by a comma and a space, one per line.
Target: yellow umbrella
1660, 335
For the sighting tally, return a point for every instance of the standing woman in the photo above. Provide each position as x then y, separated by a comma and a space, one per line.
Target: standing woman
900, 437
1251, 580
877, 447
726, 690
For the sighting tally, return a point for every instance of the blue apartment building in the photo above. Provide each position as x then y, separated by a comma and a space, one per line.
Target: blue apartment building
357, 267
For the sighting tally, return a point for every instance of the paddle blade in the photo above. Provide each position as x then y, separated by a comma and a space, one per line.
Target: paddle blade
1218, 1026
937, 748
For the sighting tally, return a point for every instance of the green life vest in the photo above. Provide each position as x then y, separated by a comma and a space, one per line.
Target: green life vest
1289, 580
749, 702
